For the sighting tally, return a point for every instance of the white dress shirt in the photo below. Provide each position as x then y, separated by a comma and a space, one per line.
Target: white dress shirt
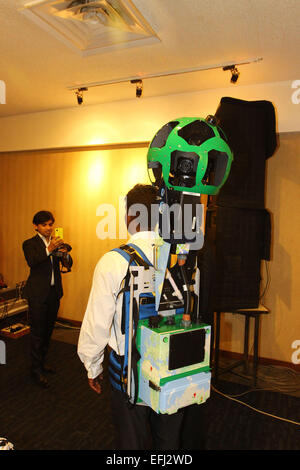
47, 243
102, 320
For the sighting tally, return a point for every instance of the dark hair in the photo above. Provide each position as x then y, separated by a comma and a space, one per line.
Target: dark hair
145, 194
41, 217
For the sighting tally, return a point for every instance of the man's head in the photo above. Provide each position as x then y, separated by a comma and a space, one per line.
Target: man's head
43, 222
141, 208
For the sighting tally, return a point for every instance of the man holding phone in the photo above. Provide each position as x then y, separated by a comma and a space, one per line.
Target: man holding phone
43, 291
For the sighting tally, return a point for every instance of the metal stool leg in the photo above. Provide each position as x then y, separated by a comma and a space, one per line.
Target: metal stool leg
217, 344
255, 356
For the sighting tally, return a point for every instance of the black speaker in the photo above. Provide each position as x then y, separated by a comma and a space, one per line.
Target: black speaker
238, 224
250, 128
241, 239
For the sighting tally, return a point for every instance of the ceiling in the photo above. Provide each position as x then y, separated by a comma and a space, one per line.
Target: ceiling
39, 68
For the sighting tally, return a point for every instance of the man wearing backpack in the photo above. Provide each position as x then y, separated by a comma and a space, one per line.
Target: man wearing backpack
137, 427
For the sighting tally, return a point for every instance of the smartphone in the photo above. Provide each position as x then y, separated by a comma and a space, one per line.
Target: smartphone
59, 232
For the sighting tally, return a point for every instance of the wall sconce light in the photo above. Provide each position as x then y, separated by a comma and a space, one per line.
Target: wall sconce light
139, 87
234, 72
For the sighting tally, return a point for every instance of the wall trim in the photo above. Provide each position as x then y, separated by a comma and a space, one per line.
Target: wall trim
82, 148
69, 322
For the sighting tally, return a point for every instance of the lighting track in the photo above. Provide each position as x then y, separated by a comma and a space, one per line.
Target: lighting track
164, 74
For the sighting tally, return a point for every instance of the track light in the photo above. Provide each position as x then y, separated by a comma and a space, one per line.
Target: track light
139, 81
234, 72
79, 94
139, 87
234, 75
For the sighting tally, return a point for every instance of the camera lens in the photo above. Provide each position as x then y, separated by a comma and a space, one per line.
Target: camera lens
185, 166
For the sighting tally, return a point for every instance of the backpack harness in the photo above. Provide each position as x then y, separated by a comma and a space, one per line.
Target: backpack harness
118, 365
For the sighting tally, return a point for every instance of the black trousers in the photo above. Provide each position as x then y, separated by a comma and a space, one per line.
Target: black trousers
140, 428
42, 317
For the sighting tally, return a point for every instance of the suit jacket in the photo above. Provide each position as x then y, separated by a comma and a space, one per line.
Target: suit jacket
39, 281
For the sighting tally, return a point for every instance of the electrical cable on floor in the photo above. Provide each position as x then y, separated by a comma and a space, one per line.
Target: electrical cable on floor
252, 390
274, 378
271, 377
284, 379
268, 282
254, 409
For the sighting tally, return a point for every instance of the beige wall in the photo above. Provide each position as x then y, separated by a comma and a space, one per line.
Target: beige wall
74, 183
136, 120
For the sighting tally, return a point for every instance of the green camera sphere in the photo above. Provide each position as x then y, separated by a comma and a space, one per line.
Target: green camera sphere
190, 154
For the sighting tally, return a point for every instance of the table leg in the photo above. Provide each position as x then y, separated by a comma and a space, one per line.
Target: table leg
246, 344
255, 357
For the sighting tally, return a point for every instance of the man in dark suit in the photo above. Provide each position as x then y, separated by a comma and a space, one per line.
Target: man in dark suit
43, 291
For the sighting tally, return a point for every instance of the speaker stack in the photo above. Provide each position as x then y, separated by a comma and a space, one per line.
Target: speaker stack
238, 225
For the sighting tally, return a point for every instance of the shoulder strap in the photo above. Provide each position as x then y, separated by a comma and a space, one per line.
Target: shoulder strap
138, 251
133, 253
135, 256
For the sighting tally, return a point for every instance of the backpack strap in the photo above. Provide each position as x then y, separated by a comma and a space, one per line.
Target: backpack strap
133, 253
135, 257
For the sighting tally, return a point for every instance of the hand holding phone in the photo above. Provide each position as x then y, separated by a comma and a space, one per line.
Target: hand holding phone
57, 240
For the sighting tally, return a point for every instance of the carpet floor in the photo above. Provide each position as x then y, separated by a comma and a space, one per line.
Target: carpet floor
70, 416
